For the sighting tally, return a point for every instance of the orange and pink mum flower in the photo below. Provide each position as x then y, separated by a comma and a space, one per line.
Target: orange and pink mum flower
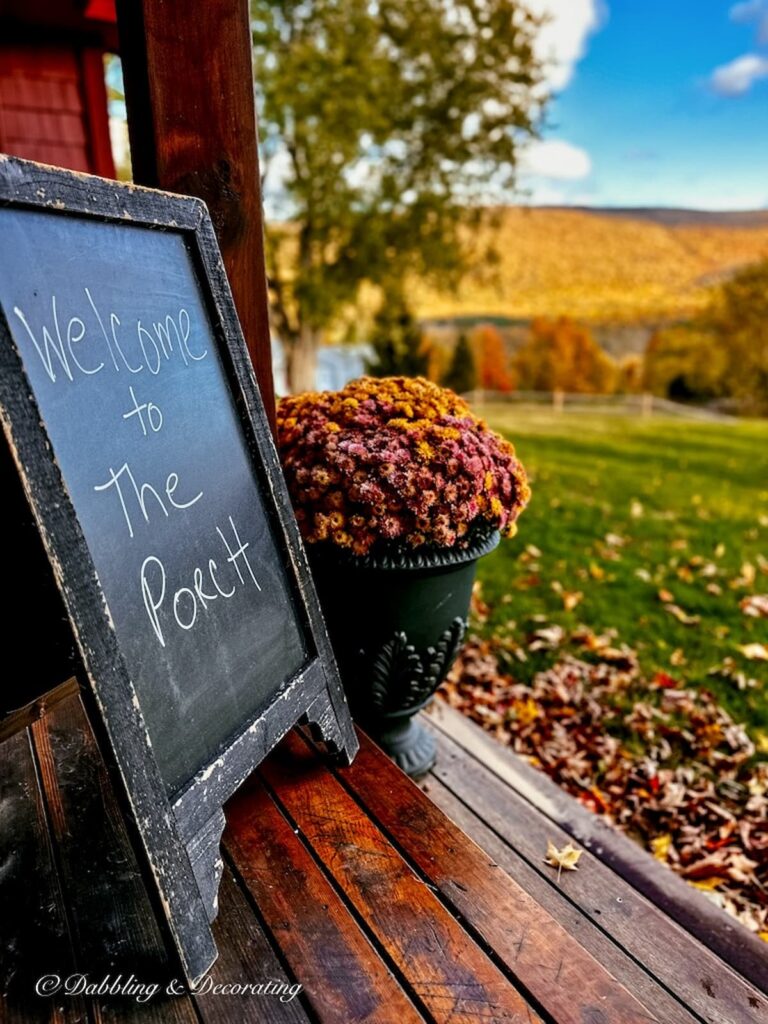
396, 460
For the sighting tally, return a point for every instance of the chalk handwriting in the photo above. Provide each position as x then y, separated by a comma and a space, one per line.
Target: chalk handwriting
188, 602
143, 497
72, 346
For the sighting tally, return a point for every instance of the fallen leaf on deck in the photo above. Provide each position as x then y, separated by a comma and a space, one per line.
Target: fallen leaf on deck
567, 857
682, 616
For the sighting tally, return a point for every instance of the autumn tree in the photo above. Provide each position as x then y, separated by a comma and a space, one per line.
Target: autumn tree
382, 125
684, 362
398, 344
737, 323
630, 374
493, 364
462, 371
561, 355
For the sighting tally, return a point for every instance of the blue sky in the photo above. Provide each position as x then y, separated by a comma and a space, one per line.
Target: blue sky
660, 103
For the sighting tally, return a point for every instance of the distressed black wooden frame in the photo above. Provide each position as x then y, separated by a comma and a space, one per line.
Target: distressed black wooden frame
179, 840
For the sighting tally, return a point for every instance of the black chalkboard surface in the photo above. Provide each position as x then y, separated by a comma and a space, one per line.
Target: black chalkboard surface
146, 433
129, 404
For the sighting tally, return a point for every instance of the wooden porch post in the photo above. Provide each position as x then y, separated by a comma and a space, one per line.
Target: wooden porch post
192, 126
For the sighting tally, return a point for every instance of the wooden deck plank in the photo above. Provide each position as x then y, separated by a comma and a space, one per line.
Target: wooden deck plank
565, 979
700, 979
381, 908
112, 920
449, 973
34, 936
603, 948
343, 975
667, 892
245, 956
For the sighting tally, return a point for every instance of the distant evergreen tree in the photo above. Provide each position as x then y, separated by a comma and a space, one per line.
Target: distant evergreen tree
462, 372
398, 346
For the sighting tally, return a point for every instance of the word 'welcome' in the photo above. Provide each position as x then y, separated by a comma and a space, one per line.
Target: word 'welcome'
86, 345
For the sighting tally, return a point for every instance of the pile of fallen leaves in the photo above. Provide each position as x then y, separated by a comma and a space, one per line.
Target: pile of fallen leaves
666, 764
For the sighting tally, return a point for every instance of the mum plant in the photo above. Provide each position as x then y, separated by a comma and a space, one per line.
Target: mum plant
397, 463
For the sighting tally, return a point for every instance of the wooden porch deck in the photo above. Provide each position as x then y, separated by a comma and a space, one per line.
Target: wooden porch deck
350, 882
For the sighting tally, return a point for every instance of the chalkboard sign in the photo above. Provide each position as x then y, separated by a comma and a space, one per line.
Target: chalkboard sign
130, 408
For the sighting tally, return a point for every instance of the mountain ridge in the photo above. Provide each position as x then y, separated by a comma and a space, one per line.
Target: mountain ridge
614, 265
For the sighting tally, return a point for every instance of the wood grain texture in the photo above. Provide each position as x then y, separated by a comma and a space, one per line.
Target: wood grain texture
565, 979
665, 890
34, 935
192, 124
701, 978
634, 976
447, 970
112, 919
343, 975
245, 956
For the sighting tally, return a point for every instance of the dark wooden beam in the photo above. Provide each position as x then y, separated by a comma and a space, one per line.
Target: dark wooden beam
192, 126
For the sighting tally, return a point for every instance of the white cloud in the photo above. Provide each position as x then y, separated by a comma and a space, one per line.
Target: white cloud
747, 11
738, 76
556, 160
562, 40
752, 11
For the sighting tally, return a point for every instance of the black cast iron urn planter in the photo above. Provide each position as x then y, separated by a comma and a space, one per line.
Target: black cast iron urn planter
396, 623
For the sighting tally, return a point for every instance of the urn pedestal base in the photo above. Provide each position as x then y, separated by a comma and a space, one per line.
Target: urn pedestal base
407, 742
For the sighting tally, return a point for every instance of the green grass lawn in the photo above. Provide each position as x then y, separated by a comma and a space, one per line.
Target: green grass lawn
624, 508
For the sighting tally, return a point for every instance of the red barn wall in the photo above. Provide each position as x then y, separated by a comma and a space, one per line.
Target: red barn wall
53, 106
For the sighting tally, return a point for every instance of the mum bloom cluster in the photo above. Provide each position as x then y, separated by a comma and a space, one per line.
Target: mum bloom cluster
396, 461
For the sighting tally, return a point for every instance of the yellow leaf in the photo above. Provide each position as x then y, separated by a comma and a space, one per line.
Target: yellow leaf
754, 652
596, 571
763, 936
708, 884
567, 857
661, 846
681, 616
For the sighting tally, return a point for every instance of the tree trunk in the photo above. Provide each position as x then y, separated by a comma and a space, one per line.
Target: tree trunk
301, 361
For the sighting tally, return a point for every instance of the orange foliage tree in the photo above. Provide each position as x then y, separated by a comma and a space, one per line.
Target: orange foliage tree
493, 365
561, 355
